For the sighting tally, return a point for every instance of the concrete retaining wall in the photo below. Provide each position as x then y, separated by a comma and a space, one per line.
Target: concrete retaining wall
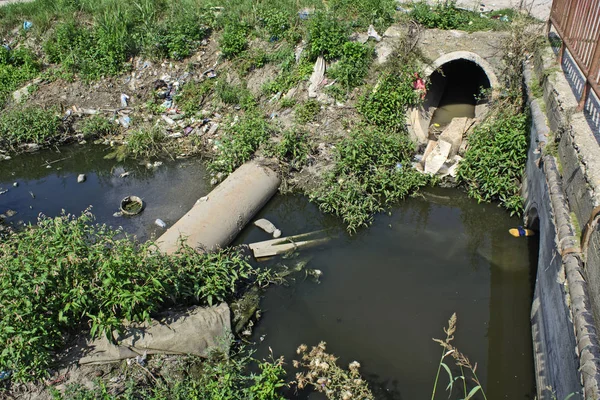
566, 350
215, 220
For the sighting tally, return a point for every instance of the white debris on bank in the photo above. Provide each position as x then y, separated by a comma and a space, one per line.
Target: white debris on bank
268, 227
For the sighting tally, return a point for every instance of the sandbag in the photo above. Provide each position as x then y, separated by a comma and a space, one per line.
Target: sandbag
195, 331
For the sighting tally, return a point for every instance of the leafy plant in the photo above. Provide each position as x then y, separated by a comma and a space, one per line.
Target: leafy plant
326, 36
234, 39
193, 95
307, 111
239, 142
495, 160
29, 125
290, 74
275, 22
68, 273
141, 143
293, 147
233, 94
385, 104
371, 172
353, 65
16, 67
178, 36
97, 126
445, 15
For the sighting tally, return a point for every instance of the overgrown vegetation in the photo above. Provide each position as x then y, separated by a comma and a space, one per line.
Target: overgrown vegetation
239, 142
16, 68
353, 66
446, 15
68, 274
218, 377
29, 125
97, 126
293, 148
307, 111
494, 163
372, 171
145, 142
385, 105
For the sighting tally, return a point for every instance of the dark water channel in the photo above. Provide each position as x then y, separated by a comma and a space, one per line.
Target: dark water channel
387, 291
384, 293
168, 191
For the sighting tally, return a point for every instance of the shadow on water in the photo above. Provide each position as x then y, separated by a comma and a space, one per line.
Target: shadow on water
169, 191
387, 291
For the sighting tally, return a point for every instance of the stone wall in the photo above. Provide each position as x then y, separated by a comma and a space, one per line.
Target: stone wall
565, 341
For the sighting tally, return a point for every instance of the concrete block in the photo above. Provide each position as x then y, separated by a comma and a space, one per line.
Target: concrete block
437, 157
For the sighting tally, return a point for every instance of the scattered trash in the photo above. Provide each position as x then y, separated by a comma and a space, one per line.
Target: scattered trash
31, 194
124, 174
205, 198
520, 231
175, 135
5, 374
187, 130
81, 178
398, 166
160, 223
317, 77
156, 164
132, 205
213, 129
505, 18
125, 121
304, 14
124, 100
3, 191
167, 104
419, 85
373, 33
268, 227
275, 247
27, 25
118, 214
15, 184
168, 120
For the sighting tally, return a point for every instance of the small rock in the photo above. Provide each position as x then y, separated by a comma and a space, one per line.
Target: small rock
10, 213
160, 223
81, 178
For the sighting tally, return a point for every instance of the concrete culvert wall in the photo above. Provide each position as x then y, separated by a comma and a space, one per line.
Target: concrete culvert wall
455, 83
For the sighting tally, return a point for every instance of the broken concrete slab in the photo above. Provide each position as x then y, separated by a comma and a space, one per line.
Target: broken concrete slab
437, 157
430, 146
196, 331
268, 227
453, 134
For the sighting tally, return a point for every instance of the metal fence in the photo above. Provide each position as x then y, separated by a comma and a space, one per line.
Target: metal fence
578, 25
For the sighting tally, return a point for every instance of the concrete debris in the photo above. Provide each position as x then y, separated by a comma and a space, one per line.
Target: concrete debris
437, 157
383, 51
394, 31
81, 178
267, 226
454, 132
373, 33
275, 247
317, 77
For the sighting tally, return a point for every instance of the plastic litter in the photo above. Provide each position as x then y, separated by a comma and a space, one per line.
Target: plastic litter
124, 100
5, 374
304, 14
27, 25
504, 18
160, 223
15, 184
81, 178
3, 191
373, 33
125, 121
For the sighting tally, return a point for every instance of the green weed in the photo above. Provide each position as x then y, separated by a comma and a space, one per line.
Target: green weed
293, 148
307, 112
193, 95
445, 15
385, 105
234, 39
372, 171
68, 273
495, 160
353, 66
142, 143
233, 94
326, 36
16, 67
239, 142
97, 126
290, 74
29, 125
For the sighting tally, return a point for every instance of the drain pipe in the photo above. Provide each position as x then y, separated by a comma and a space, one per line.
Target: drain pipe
215, 220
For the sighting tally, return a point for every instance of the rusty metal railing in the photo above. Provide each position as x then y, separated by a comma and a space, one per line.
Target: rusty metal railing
578, 25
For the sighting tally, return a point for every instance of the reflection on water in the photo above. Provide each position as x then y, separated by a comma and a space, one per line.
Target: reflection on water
169, 191
387, 291
444, 114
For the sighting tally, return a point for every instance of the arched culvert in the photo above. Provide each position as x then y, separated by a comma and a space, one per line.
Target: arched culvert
456, 81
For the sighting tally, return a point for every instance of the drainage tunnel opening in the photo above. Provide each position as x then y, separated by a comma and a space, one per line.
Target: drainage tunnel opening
458, 87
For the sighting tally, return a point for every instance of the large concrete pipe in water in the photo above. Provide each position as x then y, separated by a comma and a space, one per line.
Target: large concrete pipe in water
214, 222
